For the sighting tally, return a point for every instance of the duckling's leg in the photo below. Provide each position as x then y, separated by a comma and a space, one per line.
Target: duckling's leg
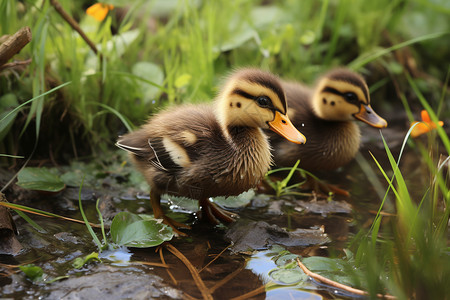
214, 212
155, 199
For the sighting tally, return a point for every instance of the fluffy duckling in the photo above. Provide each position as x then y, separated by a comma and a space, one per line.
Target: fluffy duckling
325, 115
202, 151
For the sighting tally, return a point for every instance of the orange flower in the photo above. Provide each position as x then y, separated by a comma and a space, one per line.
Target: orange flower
425, 126
99, 10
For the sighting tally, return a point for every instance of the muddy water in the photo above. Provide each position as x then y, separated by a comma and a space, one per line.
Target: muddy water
122, 275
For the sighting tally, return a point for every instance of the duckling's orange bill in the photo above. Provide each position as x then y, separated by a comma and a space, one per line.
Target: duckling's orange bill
369, 116
283, 126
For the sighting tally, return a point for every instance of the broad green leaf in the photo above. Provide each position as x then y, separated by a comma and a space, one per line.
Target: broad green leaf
33, 272
286, 259
119, 43
239, 38
263, 16
319, 263
40, 179
151, 72
236, 201
131, 230
36, 274
288, 276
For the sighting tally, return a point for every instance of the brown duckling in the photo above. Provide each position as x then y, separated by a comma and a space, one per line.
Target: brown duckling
202, 151
325, 115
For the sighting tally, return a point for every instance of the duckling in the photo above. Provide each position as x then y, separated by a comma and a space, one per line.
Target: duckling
202, 151
325, 115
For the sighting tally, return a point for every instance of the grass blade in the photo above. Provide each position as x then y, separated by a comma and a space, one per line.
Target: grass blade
360, 62
39, 212
36, 98
88, 225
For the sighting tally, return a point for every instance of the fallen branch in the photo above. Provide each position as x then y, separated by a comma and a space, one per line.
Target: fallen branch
338, 285
198, 280
15, 64
14, 44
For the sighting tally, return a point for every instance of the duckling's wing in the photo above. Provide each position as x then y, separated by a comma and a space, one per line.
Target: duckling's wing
153, 152
161, 159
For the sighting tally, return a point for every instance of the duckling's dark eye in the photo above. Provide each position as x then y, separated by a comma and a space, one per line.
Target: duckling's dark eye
263, 101
351, 98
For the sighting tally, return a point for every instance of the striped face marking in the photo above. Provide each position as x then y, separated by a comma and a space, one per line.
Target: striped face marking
255, 99
344, 96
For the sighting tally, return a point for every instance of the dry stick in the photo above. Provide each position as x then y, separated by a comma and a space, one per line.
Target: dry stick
161, 256
253, 293
74, 25
14, 44
198, 280
15, 64
338, 285
225, 280
217, 256
152, 264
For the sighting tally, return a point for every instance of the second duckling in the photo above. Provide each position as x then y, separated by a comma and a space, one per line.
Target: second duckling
201, 151
325, 115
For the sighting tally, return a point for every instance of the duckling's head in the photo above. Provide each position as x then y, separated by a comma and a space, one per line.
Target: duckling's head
255, 98
343, 95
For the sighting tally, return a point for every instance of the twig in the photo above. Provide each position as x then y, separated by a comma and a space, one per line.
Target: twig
217, 256
253, 293
338, 285
152, 264
161, 256
74, 25
188, 297
225, 280
15, 64
198, 280
14, 44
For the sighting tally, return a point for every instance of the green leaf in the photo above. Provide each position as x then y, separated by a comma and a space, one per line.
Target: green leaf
183, 80
288, 276
236, 201
287, 259
319, 263
81, 261
40, 179
131, 230
33, 272
154, 73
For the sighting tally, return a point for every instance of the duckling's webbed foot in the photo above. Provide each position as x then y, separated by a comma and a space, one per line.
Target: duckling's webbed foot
322, 187
155, 199
214, 213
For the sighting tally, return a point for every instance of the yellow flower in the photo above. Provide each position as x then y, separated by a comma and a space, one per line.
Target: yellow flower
425, 126
99, 10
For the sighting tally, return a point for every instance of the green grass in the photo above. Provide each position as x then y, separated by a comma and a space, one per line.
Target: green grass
408, 256
160, 53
